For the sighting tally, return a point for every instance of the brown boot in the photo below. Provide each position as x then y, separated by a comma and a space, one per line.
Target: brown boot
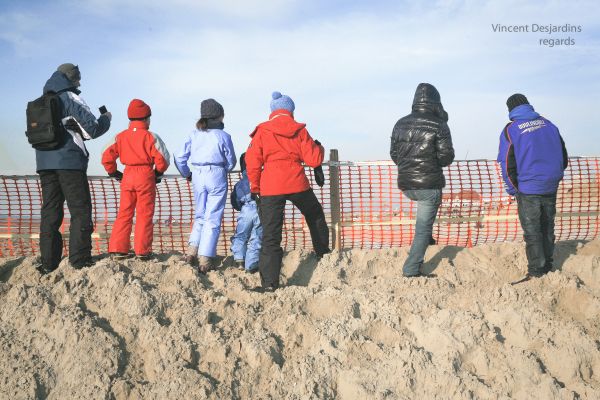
191, 256
192, 251
204, 264
191, 260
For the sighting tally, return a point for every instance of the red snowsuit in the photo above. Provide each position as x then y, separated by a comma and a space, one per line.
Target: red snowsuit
274, 158
139, 150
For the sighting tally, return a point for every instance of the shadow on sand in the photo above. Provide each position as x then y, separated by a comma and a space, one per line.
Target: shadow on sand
7, 269
563, 250
303, 274
448, 252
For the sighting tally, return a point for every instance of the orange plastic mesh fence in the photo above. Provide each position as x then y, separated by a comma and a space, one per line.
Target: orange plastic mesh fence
373, 213
475, 208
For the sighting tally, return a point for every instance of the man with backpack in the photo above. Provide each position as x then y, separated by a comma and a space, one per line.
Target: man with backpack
61, 162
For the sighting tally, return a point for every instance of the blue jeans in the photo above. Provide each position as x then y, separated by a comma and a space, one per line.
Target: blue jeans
247, 241
536, 213
428, 202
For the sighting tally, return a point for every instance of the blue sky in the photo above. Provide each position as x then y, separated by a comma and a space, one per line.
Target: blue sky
351, 67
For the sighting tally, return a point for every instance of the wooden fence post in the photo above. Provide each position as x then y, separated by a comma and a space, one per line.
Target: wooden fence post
334, 193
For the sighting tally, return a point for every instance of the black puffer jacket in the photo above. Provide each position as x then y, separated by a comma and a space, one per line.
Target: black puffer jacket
421, 142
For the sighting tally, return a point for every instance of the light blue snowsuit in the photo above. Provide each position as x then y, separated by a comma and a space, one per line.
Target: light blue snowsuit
211, 156
247, 241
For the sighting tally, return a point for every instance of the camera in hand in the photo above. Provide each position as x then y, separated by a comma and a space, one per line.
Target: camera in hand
103, 110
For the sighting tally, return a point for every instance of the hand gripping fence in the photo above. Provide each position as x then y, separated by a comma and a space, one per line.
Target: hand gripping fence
363, 205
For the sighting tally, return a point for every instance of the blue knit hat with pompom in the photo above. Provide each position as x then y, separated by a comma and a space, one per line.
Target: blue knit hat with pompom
282, 102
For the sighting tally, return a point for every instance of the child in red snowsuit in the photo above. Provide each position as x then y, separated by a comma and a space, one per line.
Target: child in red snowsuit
146, 158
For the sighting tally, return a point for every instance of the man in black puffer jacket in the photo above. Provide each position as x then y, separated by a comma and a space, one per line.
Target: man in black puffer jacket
421, 147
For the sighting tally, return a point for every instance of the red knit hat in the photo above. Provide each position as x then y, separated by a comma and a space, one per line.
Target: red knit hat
138, 110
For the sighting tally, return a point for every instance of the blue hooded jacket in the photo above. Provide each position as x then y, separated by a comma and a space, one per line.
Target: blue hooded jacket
72, 154
532, 153
240, 195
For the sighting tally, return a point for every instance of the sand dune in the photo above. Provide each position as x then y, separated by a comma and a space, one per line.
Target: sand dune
346, 327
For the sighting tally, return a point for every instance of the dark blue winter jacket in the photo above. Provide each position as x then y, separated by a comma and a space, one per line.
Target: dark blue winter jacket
72, 154
532, 153
240, 195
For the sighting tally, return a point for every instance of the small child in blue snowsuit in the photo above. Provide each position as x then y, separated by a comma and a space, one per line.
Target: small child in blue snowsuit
247, 241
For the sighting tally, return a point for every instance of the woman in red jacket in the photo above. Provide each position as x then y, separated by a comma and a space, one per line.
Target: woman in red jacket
274, 160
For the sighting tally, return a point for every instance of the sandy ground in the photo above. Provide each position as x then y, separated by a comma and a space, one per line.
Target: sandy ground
346, 327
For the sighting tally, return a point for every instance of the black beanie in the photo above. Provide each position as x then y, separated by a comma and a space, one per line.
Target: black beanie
515, 100
243, 162
211, 109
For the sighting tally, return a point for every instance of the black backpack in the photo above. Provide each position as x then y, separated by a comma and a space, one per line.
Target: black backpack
45, 130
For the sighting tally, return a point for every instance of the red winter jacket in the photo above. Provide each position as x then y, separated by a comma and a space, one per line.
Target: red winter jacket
136, 146
274, 158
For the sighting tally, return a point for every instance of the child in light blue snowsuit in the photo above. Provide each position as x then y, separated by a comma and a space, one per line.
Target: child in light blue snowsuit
210, 152
246, 243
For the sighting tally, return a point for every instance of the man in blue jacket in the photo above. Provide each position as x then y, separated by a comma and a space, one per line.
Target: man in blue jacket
63, 174
533, 158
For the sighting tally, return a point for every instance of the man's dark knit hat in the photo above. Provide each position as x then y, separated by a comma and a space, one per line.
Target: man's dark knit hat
211, 109
516, 100
71, 71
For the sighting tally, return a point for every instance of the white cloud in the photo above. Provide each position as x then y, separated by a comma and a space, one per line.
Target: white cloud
18, 31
